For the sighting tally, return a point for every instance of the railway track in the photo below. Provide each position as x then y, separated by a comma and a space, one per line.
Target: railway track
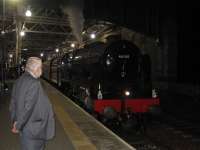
166, 134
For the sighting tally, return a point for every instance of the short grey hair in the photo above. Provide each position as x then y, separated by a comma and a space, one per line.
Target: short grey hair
33, 63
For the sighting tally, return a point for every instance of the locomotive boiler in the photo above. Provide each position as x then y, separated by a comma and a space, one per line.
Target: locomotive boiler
108, 79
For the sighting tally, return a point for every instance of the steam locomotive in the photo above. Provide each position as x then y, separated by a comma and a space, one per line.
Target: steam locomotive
108, 79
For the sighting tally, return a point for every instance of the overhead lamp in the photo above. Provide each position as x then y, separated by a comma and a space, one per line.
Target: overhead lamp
92, 36
2, 32
22, 33
28, 13
11, 56
72, 45
57, 50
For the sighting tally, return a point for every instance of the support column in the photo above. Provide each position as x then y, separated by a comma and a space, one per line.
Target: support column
19, 24
18, 40
2, 47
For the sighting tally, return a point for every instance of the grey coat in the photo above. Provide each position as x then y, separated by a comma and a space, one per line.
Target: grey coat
31, 108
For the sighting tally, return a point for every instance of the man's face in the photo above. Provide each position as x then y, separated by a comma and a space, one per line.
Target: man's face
38, 71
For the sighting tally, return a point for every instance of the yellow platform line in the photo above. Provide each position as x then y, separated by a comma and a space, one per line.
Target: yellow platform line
79, 140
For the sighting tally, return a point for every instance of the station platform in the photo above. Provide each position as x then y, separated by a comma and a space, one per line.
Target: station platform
75, 128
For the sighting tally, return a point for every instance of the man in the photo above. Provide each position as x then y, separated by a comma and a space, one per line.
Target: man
31, 111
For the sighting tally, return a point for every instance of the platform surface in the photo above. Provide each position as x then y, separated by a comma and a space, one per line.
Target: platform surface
75, 128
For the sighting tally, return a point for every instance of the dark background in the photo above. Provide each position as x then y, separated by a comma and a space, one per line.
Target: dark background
149, 18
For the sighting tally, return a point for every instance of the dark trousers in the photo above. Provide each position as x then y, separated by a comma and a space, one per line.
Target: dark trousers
31, 144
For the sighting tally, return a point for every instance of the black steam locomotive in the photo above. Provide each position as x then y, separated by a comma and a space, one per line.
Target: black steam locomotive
109, 79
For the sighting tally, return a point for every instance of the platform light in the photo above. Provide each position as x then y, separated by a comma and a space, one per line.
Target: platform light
22, 33
57, 50
41, 54
72, 45
92, 36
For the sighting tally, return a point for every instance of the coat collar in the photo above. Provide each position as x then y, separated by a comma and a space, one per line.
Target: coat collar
30, 74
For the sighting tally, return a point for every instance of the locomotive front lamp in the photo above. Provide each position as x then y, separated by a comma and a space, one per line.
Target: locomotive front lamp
127, 93
108, 62
41, 54
154, 93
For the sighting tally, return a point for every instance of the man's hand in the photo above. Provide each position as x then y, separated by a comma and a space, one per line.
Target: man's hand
14, 130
